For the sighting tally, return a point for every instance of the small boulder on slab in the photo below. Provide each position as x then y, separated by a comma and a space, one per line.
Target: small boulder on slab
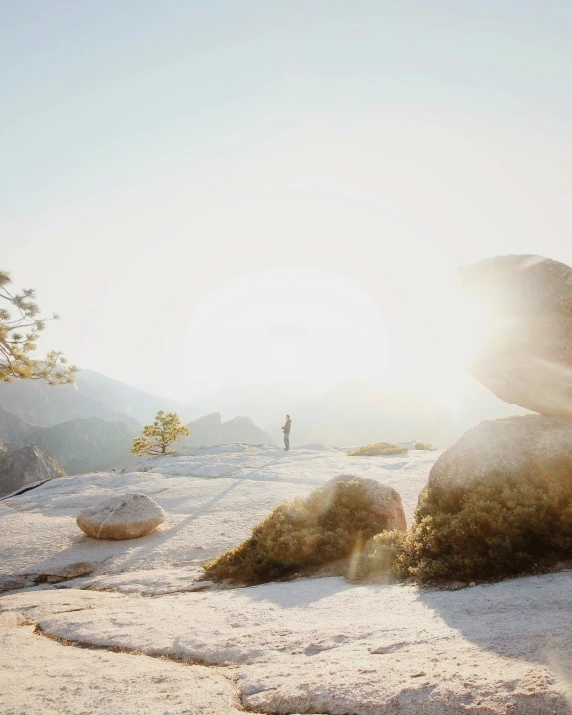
122, 517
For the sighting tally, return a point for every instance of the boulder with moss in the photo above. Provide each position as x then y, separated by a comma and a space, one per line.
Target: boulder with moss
524, 350
330, 525
497, 503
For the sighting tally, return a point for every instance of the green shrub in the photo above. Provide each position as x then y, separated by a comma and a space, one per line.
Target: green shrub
382, 449
504, 525
333, 523
381, 556
425, 445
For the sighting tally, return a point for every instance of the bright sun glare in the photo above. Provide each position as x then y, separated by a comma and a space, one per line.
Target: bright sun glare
287, 325
317, 329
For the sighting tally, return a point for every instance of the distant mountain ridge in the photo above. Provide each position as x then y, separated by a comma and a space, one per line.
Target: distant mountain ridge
90, 426
350, 414
94, 395
87, 444
79, 445
211, 430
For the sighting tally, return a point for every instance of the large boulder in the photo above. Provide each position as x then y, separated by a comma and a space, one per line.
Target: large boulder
122, 517
525, 351
27, 465
496, 450
498, 502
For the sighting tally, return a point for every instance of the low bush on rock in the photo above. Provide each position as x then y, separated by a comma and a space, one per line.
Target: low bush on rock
504, 526
333, 523
380, 449
425, 445
498, 503
382, 555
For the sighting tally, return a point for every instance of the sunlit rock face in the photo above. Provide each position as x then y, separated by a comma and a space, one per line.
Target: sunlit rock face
497, 450
27, 465
524, 352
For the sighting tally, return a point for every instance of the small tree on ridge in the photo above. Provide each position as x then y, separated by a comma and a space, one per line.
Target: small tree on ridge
156, 438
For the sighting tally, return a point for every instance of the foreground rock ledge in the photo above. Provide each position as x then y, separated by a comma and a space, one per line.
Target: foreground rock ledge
124, 517
312, 646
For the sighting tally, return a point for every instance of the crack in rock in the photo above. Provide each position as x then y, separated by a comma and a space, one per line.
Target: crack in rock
58, 574
171, 657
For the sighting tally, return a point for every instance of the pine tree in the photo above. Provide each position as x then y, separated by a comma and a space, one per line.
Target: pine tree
157, 437
20, 326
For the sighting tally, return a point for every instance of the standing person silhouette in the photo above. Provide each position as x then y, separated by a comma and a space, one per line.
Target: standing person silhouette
286, 430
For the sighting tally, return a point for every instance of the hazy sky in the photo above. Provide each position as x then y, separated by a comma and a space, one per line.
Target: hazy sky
218, 193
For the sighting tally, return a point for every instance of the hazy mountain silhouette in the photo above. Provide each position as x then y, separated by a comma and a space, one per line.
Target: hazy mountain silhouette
211, 430
79, 445
94, 395
360, 412
351, 413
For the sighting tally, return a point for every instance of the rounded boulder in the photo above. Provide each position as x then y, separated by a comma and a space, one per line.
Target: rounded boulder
121, 517
510, 448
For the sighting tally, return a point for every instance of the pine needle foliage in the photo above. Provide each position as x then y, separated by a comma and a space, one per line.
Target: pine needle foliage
157, 438
20, 326
333, 523
379, 449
